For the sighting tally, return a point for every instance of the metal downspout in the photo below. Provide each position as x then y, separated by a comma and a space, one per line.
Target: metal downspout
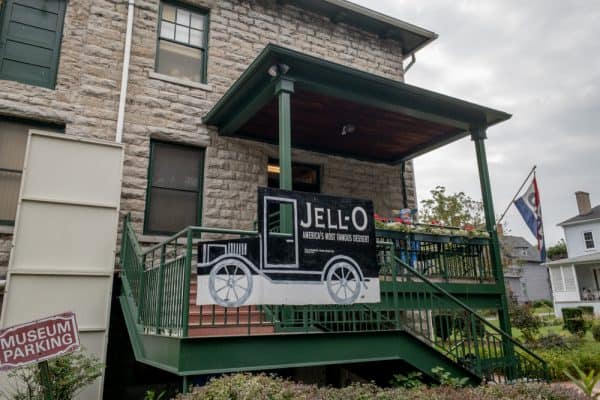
125, 74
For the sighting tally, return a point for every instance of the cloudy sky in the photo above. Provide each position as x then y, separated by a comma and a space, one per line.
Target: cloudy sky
538, 60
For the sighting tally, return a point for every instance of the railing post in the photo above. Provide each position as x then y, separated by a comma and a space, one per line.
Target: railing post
186, 282
141, 293
478, 135
161, 289
394, 269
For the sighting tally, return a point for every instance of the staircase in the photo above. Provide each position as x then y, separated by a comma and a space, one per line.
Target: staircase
416, 321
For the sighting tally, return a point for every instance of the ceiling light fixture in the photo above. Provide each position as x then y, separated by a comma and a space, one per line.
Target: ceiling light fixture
348, 129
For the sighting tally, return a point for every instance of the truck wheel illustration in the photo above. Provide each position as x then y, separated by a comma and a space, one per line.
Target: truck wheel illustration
230, 282
343, 282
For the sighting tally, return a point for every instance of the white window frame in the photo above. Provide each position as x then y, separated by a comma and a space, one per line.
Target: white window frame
585, 241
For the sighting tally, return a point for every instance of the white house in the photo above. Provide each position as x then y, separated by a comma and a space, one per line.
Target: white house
576, 279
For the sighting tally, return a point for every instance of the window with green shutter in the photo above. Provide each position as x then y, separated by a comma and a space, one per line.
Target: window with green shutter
30, 37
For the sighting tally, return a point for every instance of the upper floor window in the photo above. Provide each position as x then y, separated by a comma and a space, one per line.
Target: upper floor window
182, 42
174, 197
13, 140
30, 34
588, 238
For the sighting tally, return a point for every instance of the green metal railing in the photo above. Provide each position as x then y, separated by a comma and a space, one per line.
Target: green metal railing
431, 314
159, 282
443, 257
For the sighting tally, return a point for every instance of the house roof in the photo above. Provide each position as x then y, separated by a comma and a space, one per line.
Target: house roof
393, 121
587, 258
593, 214
410, 37
517, 248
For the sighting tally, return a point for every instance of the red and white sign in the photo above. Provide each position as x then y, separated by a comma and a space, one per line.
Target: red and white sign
38, 340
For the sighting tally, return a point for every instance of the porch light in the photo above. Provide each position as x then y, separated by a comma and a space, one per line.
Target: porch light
347, 129
276, 70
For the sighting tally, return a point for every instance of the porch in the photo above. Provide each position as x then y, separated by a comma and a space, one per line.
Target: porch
418, 320
576, 282
431, 285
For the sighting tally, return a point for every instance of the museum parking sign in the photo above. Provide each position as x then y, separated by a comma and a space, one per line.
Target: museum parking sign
39, 340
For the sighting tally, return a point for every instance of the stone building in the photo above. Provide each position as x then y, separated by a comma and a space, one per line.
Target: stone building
167, 106
208, 100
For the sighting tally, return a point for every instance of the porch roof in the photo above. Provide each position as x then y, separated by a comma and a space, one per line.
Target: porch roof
393, 121
584, 259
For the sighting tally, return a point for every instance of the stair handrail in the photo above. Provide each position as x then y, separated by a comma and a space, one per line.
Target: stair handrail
129, 242
459, 303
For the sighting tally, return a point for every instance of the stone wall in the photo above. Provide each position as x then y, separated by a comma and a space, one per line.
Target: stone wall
239, 30
86, 99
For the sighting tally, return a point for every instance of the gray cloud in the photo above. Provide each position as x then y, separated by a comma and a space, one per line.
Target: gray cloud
538, 60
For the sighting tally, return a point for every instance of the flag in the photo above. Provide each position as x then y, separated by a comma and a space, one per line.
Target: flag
531, 211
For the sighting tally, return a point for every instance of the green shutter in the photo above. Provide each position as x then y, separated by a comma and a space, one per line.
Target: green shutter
30, 40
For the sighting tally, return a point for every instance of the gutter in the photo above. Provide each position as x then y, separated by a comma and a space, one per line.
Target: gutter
125, 74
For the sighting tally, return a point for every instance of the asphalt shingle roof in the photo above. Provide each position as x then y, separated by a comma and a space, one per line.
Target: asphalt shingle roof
594, 214
516, 247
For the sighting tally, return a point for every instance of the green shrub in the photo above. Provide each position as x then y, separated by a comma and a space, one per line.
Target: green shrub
263, 387
542, 303
596, 332
549, 341
586, 382
412, 380
588, 311
446, 379
574, 321
69, 375
586, 356
524, 319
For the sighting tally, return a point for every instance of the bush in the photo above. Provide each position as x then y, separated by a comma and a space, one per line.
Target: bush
596, 332
574, 321
263, 387
586, 356
549, 341
587, 311
69, 374
542, 303
523, 318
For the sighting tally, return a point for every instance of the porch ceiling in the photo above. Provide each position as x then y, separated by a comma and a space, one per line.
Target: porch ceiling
393, 121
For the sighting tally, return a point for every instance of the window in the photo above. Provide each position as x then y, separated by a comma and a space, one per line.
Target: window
174, 196
182, 42
13, 140
588, 238
305, 177
30, 34
563, 279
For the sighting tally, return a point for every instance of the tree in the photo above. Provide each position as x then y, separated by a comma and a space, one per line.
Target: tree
558, 251
455, 209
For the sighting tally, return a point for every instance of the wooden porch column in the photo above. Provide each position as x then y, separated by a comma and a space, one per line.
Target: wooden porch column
283, 90
478, 135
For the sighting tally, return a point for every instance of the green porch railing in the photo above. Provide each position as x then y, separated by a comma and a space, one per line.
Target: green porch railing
443, 257
159, 280
433, 315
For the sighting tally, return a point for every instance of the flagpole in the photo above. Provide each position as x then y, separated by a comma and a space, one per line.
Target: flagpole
516, 194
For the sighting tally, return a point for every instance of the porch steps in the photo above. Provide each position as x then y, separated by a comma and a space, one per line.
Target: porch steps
214, 320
